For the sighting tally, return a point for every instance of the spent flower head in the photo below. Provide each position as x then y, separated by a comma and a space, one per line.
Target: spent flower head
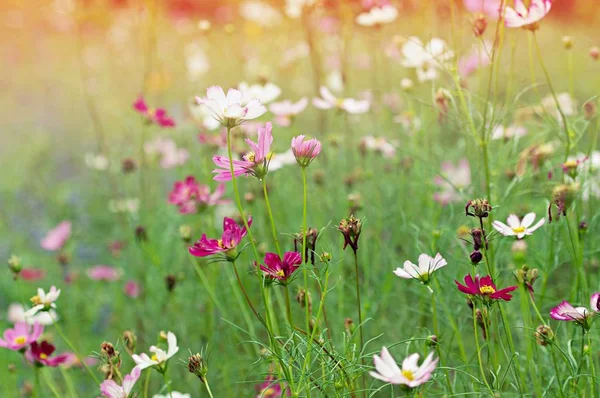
351, 228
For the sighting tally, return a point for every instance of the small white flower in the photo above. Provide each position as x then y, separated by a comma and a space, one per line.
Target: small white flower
159, 356
43, 301
426, 59
516, 227
411, 374
173, 394
230, 109
16, 313
329, 101
96, 162
427, 265
264, 93
377, 16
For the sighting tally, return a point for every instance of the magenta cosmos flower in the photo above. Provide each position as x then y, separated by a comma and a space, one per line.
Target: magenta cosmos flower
132, 289
157, 116
518, 228
282, 271
232, 109
39, 354
411, 374
285, 111
583, 316
19, 337
110, 389
528, 18
231, 238
484, 289
270, 388
305, 151
104, 273
56, 238
254, 163
189, 196
329, 101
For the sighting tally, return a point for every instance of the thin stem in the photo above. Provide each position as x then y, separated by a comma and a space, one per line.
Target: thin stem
241, 285
36, 387
360, 318
305, 271
288, 307
207, 387
147, 383
478, 348
557, 372
168, 384
50, 384
592, 366
273, 228
72, 347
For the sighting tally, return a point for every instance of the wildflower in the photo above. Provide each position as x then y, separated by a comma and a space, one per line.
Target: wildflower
527, 277
480, 208
190, 197
196, 59
229, 110
378, 16
305, 151
518, 228
285, 111
103, 273
329, 101
110, 389
527, 18
124, 205
261, 13
264, 93
380, 145
484, 289
16, 313
198, 366
427, 266
410, 374
452, 181
567, 104
231, 237
159, 357
562, 197
43, 301
350, 228
280, 270
157, 116
426, 59
583, 316
39, 354
56, 238
19, 337
536, 155
270, 388
254, 163
567, 42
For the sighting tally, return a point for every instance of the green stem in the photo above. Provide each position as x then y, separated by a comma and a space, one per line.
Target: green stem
288, 307
36, 387
305, 272
360, 319
478, 348
592, 366
207, 388
557, 372
79, 357
168, 384
50, 384
147, 383
273, 228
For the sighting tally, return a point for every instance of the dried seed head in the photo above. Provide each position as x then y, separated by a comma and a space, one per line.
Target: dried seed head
198, 366
544, 335
108, 349
130, 341
478, 208
351, 228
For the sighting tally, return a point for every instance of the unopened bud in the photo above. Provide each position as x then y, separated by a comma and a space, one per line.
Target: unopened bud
476, 256
595, 53
108, 349
198, 365
479, 25
567, 42
432, 341
14, 265
170, 282
303, 298
130, 341
140, 234
544, 335
185, 231
325, 257
349, 325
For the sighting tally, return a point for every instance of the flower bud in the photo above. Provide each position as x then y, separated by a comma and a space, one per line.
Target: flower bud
479, 25
198, 366
567, 42
170, 282
14, 265
544, 335
325, 257
128, 166
108, 349
303, 298
185, 231
476, 256
563, 196
432, 341
130, 341
349, 325
478, 208
595, 53
589, 110
140, 234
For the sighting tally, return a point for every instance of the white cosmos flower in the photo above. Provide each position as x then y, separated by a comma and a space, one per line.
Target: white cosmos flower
96, 162
264, 93
329, 101
43, 301
231, 109
411, 374
159, 356
426, 59
516, 227
427, 265
378, 16
16, 313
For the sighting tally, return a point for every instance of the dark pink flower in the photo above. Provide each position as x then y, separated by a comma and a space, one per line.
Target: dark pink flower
190, 196
132, 289
39, 354
32, 274
583, 316
158, 116
484, 288
21, 335
270, 388
103, 273
282, 271
232, 236
55, 238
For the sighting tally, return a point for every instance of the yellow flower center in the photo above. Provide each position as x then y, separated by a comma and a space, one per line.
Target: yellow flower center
151, 112
339, 102
519, 230
485, 289
268, 392
220, 243
20, 340
410, 376
43, 356
280, 273
36, 300
251, 157
154, 358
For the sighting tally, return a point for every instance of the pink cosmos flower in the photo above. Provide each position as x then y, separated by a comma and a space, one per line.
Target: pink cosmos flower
491, 8
232, 236
190, 196
305, 151
518, 228
110, 389
411, 375
132, 289
270, 388
21, 335
158, 116
478, 58
453, 180
566, 312
229, 110
104, 273
521, 16
73, 361
32, 274
484, 288
55, 238
282, 271
39, 354
285, 111
255, 163
329, 101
